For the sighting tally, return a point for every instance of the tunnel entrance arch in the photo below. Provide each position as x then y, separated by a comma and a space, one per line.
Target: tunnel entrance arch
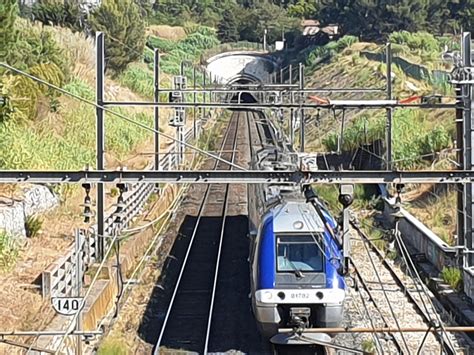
230, 67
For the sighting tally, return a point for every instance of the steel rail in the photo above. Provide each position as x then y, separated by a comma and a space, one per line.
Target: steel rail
188, 251
426, 318
239, 177
221, 241
377, 307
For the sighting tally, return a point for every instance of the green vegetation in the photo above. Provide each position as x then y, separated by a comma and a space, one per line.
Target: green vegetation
33, 225
199, 39
373, 21
314, 55
8, 33
368, 346
453, 277
8, 251
245, 19
413, 136
227, 28
65, 13
122, 24
112, 347
438, 212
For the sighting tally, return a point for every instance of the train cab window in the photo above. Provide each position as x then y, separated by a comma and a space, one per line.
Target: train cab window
299, 253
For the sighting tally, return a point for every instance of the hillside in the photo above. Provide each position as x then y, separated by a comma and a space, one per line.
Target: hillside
422, 139
42, 129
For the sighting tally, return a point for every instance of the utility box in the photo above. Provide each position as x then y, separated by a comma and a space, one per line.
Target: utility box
175, 96
179, 82
178, 118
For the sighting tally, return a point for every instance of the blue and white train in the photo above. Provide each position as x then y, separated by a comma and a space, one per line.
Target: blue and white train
295, 258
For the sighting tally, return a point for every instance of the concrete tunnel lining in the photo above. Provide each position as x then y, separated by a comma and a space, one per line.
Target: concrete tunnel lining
241, 68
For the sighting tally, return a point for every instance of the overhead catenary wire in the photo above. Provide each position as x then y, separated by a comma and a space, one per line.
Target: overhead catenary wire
119, 115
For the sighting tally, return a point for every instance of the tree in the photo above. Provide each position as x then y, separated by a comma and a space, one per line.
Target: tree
302, 9
227, 29
124, 30
8, 33
66, 13
373, 20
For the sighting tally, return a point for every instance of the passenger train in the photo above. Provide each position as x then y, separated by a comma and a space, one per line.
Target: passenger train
295, 255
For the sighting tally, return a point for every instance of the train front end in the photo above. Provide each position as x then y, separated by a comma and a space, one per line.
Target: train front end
296, 271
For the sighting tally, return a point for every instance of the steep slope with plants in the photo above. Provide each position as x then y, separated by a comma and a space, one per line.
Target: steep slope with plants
422, 139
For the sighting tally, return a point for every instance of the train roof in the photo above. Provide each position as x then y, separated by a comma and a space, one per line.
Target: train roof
296, 217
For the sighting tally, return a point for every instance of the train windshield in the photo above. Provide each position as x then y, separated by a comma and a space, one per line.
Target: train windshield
296, 253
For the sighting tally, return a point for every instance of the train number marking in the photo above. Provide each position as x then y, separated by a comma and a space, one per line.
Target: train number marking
299, 295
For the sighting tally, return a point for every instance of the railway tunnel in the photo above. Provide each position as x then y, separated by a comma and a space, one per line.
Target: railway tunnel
242, 70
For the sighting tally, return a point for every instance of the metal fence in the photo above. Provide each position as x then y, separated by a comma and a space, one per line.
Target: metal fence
416, 71
59, 279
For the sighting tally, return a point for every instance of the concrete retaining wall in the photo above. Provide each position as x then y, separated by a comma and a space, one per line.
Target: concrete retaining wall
421, 238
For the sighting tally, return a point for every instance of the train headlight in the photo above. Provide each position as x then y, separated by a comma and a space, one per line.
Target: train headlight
281, 295
320, 295
267, 295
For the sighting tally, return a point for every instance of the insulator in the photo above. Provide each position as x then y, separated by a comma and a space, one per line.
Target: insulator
120, 202
87, 201
87, 187
87, 214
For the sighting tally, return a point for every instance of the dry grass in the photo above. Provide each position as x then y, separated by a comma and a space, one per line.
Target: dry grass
81, 51
174, 33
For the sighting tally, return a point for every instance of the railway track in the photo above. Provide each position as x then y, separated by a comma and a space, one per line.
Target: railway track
395, 302
188, 319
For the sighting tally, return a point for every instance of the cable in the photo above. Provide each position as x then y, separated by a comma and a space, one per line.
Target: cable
105, 109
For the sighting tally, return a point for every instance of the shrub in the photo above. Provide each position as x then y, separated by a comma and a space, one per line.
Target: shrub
139, 80
8, 33
33, 226
418, 41
22, 94
452, 276
112, 347
329, 50
37, 45
78, 87
368, 346
8, 251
